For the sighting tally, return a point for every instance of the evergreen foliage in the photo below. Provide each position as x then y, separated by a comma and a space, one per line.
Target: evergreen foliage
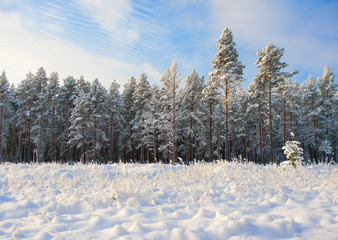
227, 74
270, 76
43, 120
293, 151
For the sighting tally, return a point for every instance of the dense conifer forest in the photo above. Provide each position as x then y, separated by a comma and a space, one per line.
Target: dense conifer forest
46, 119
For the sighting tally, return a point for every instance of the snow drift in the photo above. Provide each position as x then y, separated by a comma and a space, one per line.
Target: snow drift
219, 200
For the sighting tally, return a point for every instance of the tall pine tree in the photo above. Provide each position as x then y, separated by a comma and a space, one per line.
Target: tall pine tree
270, 74
170, 80
4, 97
227, 74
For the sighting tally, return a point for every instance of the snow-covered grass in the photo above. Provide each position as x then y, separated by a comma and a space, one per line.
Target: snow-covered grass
220, 200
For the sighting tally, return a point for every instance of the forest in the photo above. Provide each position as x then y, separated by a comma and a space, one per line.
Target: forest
183, 120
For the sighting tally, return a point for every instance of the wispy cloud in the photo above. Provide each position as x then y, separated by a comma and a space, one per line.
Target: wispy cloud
26, 51
122, 38
137, 32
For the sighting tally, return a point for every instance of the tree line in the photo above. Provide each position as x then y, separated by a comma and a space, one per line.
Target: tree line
208, 119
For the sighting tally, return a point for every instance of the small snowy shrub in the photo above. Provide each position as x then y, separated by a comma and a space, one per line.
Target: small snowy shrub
293, 152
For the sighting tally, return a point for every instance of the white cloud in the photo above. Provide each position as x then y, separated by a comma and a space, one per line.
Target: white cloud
106, 12
23, 51
112, 17
151, 72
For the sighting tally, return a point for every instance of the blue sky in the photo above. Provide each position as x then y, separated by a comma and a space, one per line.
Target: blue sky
114, 40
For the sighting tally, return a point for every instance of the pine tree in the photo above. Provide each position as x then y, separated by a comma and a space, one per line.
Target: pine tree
24, 101
211, 100
227, 74
292, 151
309, 116
4, 97
141, 98
151, 117
81, 124
239, 119
116, 120
129, 116
327, 110
192, 101
52, 101
257, 110
83, 85
170, 80
39, 127
68, 93
270, 74
10, 132
286, 110
98, 111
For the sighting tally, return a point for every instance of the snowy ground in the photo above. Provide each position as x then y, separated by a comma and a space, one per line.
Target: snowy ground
203, 201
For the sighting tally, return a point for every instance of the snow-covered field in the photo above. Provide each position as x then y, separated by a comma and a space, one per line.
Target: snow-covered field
219, 200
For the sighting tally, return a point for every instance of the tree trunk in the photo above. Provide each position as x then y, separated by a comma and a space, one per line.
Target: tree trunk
284, 126
28, 157
218, 142
246, 141
226, 122
315, 140
111, 136
155, 145
83, 157
270, 122
142, 144
95, 123
260, 133
173, 122
53, 135
131, 155
190, 154
174, 136
1, 119
210, 133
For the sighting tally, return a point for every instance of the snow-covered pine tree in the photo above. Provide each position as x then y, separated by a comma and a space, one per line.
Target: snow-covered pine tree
211, 100
328, 112
239, 118
81, 125
39, 127
151, 116
227, 74
141, 96
67, 96
182, 124
256, 111
116, 120
192, 95
170, 81
83, 85
287, 109
98, 95
4, 97
309, 117
51, 102
129, 116
293, 151
10, 133
270, 74
24, 96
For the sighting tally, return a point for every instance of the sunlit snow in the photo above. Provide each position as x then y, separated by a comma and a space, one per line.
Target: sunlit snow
219, 200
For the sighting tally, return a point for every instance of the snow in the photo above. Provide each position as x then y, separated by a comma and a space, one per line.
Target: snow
219, 200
